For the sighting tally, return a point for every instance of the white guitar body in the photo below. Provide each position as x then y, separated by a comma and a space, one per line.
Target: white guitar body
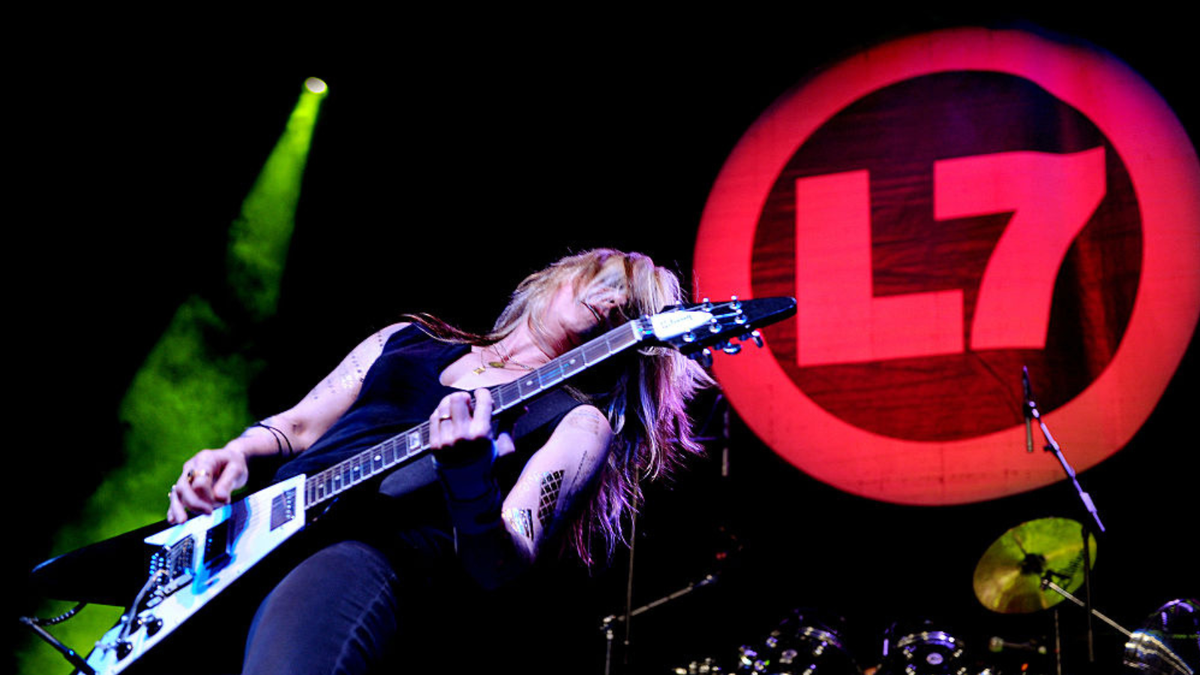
195, 562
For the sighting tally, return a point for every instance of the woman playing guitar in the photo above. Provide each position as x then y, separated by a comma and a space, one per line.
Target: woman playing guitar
500, 504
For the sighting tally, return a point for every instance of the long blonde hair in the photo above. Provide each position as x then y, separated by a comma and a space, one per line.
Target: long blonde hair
646, 405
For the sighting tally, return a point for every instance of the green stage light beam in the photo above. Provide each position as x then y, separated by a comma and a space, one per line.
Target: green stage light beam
191, 391
259, 238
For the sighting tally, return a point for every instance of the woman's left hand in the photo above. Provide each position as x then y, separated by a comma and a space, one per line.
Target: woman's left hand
460, 418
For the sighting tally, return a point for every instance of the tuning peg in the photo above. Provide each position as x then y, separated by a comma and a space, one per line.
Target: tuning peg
753, 335
729, 348
734, 302
703, 357
706, 304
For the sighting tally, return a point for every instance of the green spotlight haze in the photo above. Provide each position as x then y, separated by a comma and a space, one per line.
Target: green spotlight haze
259, 237
191, 391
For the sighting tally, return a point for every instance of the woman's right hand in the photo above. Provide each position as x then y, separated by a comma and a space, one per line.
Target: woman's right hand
209, 478
207, 482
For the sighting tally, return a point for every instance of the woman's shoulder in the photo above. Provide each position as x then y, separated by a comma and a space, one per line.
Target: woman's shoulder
378, 341
391, 329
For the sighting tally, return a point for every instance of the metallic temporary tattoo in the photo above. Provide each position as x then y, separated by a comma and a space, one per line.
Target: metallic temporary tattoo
581, 478
521, 521
551, 484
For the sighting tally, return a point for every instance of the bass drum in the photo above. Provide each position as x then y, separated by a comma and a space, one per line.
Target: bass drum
802, 645
923, 650
1168, 643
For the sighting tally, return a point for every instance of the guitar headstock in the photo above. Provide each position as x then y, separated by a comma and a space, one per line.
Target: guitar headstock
697, 329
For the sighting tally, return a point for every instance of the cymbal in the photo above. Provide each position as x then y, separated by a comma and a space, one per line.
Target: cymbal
1008, 579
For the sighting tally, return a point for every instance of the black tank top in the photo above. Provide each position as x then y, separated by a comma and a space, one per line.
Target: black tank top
406, 516
400, 391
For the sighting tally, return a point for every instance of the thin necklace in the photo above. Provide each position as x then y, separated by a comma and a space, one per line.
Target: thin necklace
502, 363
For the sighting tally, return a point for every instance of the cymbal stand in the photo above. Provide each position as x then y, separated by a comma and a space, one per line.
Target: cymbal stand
1048, 584
1057, 645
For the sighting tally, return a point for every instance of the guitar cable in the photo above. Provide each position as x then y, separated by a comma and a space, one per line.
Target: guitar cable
128, 619
39, 621
36, 624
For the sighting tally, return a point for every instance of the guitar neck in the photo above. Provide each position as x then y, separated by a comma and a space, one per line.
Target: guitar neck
414, 443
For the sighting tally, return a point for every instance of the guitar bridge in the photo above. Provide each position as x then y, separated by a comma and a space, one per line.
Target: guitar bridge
175, 563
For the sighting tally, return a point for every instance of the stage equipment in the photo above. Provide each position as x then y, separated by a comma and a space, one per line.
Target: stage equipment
1008, 578
1168, 642
928, 650
1093, 521
802, 643
609, 623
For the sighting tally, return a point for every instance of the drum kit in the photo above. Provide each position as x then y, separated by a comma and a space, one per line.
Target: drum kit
1030, 568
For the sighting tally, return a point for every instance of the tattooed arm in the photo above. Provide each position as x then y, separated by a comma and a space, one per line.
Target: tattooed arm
555, 480
209, 478
495, 549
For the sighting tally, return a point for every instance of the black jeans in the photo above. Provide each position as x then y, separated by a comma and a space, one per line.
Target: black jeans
336, 612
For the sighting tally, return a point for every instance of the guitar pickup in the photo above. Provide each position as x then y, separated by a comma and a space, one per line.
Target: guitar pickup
220, 539
283, 508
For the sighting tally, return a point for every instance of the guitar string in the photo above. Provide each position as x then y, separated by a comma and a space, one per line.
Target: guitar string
590, 354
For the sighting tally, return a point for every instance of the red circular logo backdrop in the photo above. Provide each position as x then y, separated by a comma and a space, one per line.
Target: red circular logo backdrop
946, 209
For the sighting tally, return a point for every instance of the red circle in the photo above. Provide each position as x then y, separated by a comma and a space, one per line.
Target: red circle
1166, 178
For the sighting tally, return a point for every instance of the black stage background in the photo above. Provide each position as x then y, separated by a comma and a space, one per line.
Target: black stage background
449, 163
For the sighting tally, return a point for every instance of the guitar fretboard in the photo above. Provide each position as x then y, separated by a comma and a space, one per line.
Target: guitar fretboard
414, 443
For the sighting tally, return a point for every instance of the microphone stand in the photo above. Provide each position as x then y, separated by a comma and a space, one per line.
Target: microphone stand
1032, 413
607, 624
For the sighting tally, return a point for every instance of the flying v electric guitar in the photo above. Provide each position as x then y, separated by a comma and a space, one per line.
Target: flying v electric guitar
196, 560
